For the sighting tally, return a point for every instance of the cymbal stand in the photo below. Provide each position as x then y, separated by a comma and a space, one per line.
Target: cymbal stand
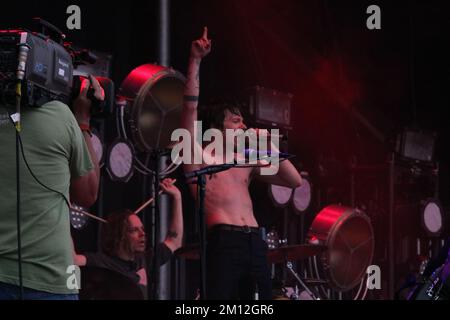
291, 269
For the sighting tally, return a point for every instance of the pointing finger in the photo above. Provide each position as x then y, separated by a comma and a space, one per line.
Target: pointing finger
205, 33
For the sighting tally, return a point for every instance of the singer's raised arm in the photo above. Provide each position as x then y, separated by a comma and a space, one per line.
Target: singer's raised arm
199, 49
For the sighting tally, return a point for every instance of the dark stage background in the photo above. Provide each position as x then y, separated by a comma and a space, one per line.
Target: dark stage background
321, 52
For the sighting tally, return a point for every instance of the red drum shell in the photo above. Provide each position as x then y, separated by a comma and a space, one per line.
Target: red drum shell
348, 235
155, 96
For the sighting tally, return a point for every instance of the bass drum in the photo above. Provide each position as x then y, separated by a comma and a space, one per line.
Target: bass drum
348, 235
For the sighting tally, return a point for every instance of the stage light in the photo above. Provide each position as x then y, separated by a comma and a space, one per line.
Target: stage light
120, 160
78, 220
302, 195
280, 195
432, 218
270, 108
416, 145
97, 145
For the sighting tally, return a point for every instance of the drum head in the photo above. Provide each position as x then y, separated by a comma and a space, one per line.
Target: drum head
157, 97
302, 197
280, 195
348, 234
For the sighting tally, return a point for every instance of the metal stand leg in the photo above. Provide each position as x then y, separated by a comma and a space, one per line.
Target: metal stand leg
291, 269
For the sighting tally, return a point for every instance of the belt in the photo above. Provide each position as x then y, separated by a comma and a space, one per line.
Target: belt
229, 227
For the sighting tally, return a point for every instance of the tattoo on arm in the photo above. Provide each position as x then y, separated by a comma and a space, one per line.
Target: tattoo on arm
172, 234
197, 79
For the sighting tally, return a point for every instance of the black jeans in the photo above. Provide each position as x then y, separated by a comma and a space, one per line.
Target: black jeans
12, 292
237, 265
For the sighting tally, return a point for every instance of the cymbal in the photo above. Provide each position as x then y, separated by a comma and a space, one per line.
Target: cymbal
294, 252
189, 252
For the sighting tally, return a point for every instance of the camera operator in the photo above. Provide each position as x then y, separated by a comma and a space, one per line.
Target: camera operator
62, 166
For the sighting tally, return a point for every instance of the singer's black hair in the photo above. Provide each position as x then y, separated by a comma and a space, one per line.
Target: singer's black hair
212, 114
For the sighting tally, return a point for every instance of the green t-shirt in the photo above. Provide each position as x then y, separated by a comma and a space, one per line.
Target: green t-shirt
55, 150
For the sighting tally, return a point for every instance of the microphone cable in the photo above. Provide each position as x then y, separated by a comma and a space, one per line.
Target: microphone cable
20, 150
15, 118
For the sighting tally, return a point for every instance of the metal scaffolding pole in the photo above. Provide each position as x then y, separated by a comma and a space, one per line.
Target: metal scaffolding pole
164, 32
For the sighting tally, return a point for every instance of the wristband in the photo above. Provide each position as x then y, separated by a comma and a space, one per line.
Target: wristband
190, 98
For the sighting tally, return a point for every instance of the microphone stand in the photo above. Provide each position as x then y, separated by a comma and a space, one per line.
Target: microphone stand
201, 192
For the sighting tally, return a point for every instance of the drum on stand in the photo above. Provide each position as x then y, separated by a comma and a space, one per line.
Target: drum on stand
348, 235
153, 97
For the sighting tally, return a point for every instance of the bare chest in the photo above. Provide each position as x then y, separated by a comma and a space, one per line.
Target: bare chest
230, 179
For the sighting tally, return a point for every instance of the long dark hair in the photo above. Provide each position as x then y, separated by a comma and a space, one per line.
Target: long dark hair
114, 233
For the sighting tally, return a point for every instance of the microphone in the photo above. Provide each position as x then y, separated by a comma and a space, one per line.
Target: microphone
269, 135
23, 57
209, 170
265, 154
